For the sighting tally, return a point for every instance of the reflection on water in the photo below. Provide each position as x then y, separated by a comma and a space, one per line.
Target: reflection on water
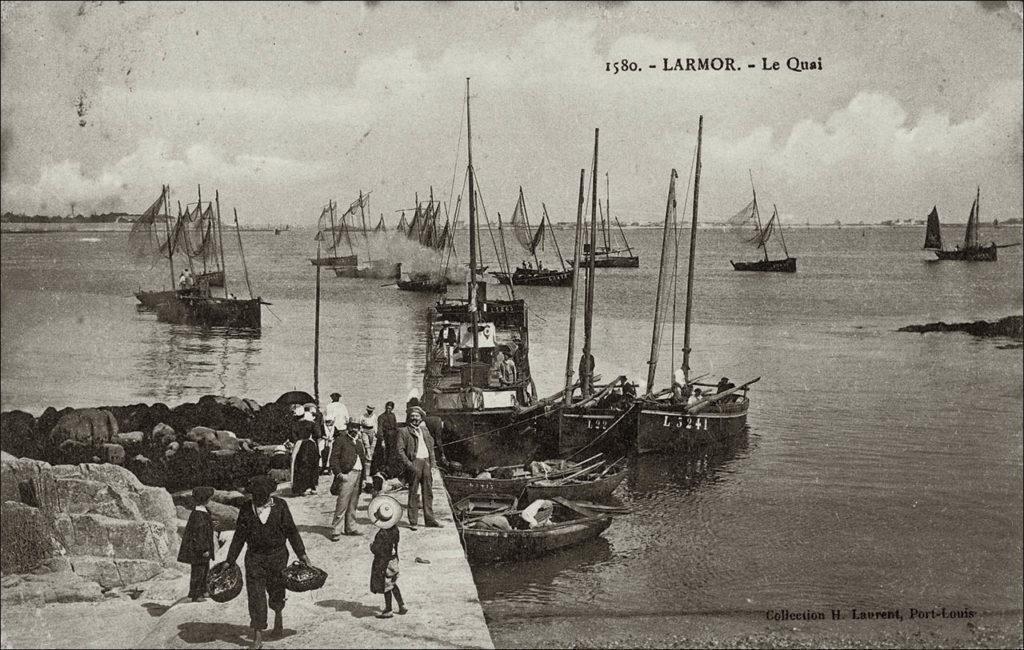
177, 362
681, 472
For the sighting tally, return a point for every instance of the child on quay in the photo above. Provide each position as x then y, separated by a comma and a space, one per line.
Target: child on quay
385, 512
197, 543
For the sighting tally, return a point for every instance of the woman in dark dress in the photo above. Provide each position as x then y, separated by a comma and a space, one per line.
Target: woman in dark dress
306, 465
385, 512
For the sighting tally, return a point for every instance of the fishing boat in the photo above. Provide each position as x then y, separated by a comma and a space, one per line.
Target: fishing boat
751, 216
525, 274
422, 282
332, 229
194, 233
971, 251
596, 417
568, 525
604, 255
477, 362
664, 419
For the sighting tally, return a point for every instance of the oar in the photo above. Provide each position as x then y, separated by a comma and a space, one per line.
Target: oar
701, 405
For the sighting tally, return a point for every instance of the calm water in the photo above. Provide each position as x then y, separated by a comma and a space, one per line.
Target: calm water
881, 469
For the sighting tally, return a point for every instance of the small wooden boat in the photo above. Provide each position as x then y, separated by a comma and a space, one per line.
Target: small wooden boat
594, 485
535, 277
509, 480
207, 311
569, 525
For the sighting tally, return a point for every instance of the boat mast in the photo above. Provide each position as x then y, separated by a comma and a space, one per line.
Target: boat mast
623, 234
220, 240
199, 213
526, 218
575, 290
778, 224
167, 229
362, 216
472, 235
553, 238
188, 244
757, 213
693, 249
670, 207
606, 219
241, 251
587, 376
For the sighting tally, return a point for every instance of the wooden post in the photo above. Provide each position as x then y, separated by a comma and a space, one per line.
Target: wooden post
316, 332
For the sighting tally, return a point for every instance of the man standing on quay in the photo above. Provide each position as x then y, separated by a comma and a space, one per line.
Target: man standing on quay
348, 458
416, 449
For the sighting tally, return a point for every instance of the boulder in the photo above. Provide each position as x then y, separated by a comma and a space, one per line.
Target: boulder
89, 426
18, 434
61, 587
224, 517
130, 438
204, 436
115, 572
112, 453
163, 433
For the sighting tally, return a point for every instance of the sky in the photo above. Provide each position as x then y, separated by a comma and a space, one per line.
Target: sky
283, 106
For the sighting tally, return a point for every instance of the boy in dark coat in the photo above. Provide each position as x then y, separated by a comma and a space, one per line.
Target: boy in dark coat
197, 545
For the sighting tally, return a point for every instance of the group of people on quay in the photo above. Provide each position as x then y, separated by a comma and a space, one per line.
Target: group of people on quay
353, 449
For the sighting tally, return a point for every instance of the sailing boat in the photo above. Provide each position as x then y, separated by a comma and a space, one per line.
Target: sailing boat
596, 418
971, 251
664, 419
424, 231
762, 233
194, 306
530, 241
604, 255
372, 268
466, 339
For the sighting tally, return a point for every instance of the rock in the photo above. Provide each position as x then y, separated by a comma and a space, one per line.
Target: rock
224, 517
18, 434
63, 587
113, 453
130, 438
202, 435
110, 572
227, 440
89, 426
26, 539
281, 475
5, 457
1011, 327
164, 433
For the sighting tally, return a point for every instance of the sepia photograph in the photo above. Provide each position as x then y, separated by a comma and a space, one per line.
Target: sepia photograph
515, 324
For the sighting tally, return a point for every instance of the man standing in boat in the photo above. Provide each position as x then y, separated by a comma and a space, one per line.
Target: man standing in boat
416, 449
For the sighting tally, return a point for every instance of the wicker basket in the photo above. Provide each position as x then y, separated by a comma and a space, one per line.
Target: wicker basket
303, 577
224, 581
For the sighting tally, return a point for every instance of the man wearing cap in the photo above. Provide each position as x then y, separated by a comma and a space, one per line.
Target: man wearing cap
335, 418
264, 525
416, 450
348, 458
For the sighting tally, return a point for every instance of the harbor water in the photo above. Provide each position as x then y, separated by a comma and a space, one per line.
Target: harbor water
881, 469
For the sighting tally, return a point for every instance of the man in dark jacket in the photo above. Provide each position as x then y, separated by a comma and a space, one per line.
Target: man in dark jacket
197, 545
416, 449
264, 525
348, 458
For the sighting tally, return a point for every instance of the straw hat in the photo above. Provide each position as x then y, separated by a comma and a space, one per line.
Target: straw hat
384, 511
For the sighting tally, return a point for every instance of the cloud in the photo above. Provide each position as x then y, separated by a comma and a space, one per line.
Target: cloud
132, 179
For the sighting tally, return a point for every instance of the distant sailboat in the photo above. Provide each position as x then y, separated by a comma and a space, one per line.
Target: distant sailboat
530, 241
971, 251
750, 215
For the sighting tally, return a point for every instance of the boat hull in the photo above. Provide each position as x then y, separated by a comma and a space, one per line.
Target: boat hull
612, 262
787, 265
347, 260
972, 254
597, 490
487, 437
588, 429
212, 279
486, 546
535, 277
211, 312
375, 270
153, 299
666, 426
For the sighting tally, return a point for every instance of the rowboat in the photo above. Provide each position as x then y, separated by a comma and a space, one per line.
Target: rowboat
508, 480
569, 525
594, 485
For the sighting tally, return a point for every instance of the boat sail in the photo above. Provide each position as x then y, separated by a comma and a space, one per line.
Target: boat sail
971, 250
751, 216
372, 268
530, 241
330, 230
604, 255
478, 368
664, 419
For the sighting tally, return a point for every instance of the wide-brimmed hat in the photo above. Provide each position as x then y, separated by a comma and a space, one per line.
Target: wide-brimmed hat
370, 407
384, 511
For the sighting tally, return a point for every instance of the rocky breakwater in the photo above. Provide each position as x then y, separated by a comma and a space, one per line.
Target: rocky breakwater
74, 532
1009, 327
217, 441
